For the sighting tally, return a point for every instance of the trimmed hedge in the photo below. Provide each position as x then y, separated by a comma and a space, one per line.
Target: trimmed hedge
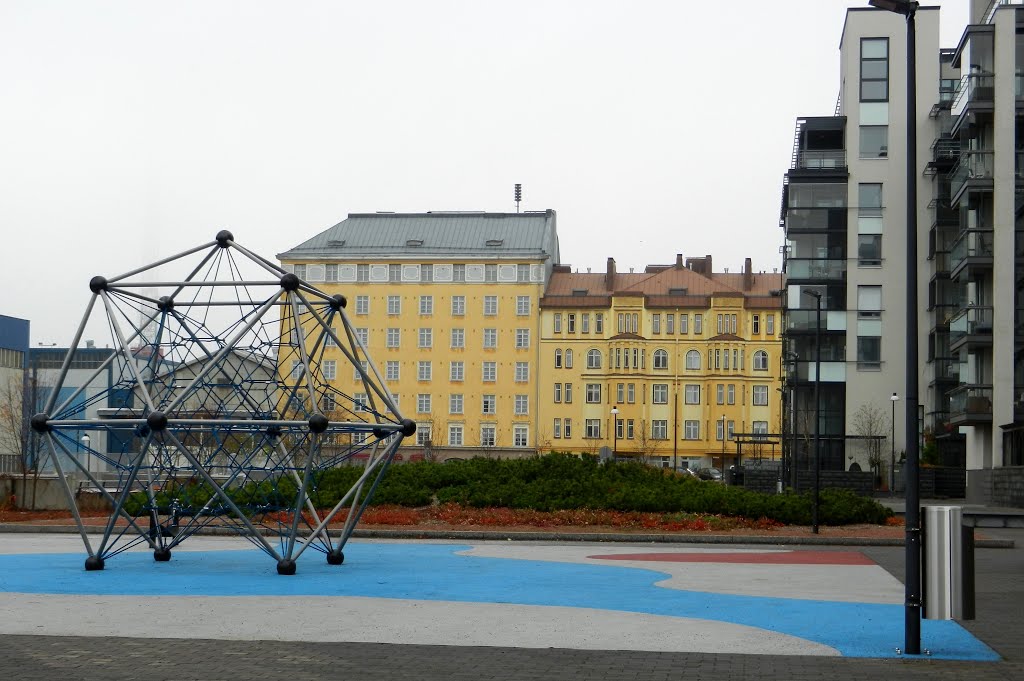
554, 482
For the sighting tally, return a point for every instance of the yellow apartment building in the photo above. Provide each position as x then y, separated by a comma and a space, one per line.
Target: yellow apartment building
676, 365
447, 306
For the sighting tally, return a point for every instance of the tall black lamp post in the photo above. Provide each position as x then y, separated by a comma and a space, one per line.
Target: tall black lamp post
817, 408
912, 599
615, 432
892, 441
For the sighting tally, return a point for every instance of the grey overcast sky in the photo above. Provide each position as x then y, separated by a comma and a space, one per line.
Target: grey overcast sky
133, 130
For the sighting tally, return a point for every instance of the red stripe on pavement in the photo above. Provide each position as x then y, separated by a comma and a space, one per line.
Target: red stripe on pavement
774, 558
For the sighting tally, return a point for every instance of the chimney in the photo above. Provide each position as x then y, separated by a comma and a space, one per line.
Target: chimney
679, 261
609, 276
748, 275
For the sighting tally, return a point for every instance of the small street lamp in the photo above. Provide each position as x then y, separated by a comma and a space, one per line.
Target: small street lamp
86, 441
615, 432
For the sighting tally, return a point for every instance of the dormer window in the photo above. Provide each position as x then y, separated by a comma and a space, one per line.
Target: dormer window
495, 242
579, 291
414, 242
677, 291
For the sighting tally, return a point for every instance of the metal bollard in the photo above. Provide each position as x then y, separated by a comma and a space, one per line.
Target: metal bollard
948, 564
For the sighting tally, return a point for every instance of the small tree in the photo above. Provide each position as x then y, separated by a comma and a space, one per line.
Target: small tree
645, 444
871, 423
16, 438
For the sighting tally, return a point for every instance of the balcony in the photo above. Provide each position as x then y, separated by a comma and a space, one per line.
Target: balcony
971, 327
970, 405
826, 159
945, 153
972, 252
815, 269
946, 369
974, 167
815, 219
806, 320
976, 93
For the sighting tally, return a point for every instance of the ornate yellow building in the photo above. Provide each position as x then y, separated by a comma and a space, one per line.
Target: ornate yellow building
683, 361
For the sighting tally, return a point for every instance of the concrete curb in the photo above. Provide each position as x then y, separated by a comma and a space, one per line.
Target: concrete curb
609, 537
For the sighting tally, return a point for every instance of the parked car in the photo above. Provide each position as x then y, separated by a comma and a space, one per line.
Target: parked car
710, 474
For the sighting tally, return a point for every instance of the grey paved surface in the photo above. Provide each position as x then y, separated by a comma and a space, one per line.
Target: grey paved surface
1000, 602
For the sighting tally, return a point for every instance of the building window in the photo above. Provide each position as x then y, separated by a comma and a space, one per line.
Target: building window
769, 325
693, 360
731, 429
731, 394
363, 336
426, 338
391, 371
656, 323
426, 305
357, 375
520, 436
759, 428
869, 250
490, 372
721, 328
394, 273
522, 339
630, 393
874, 69
558, 358
725, 363
423, 434
489, 404
874, 141
659, 393
659, 429
328, 403
567, 428
362, 304
692, 394
556, 428
522, 405
458, 306
570, 322
568, 358
869, 301
584, 322
869, 353
522, 372
487, 438
490, 273
362, 273
760, 361
359, 402
593, 427
456, 371
684, 322
423, 403
660, 359
330, 369
691, 430
490, 338
720, 429
523, 305
522, 273
458, 273
424, 370
329, 336
558, 392
869, 199
568, 393
598, 322
670, 324
698, 324
720, 393
593, 393
455, 435
556, 322
755, 324
455, 404
594, 359
394, 337
629, 429
427, 273
458, 338
760, 396
394, 305
490, 306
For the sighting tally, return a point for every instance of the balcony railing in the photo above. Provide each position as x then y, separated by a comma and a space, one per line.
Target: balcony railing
806, 320
815, 219
973, 165
971, 321
946, 368
815, 269
974, 88
972, 243
945, 149
970, 401
830, 159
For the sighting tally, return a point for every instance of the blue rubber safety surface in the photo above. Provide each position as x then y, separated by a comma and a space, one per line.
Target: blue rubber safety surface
435, 572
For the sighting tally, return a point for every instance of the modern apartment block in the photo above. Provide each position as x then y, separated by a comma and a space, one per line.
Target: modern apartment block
447, 305
682, 362
844, 218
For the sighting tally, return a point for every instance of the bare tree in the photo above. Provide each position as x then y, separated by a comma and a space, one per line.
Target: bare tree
645, 444
871, 423
16, 440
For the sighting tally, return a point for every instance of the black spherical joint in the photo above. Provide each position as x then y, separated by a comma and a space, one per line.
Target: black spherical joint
157, 421
337, 302
40, 423
224, 237
408, 427
97, 284
335, 557
274, 432
165, 304
286, 566
380, 433
161, 555
318, 423
93, 563
290, 282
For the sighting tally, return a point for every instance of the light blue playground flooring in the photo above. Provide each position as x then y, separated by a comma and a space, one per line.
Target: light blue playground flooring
434, 572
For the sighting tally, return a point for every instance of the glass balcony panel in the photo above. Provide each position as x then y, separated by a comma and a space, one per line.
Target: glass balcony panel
971, 400
833, 270
974, 87
808, 159
974, 320
973, 165
973, 243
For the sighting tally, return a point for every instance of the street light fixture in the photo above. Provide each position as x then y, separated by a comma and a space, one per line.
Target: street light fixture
912, 594
892, 457
86, 441
817, 407
615, 432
